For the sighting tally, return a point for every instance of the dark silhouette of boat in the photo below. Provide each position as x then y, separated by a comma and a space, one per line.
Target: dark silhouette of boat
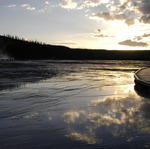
142, 82
142, 77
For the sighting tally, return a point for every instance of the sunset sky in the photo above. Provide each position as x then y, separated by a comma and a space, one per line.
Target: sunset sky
96, 24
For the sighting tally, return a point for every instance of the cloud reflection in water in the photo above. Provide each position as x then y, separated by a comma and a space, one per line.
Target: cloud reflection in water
120, 116
80, 105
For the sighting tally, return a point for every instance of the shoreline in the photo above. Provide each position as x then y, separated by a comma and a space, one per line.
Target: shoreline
20, 49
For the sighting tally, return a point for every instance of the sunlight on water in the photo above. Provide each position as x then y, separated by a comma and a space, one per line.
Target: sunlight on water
72, 105
116, 116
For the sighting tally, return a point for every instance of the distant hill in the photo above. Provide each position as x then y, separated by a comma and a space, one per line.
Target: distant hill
21, 49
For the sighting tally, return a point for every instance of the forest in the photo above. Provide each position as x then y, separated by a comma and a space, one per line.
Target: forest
21, 49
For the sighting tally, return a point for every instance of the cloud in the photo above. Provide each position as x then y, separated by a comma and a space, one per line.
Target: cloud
99, 34
129, 21
40, 7
123, 10
145, 19
123, 5
145, 6
138, 38
70, 117
133, 43
92, 2
11, 6
47, 2
146, 35
108, 16
142, 36
102, 36
111, 17
28, 7
127, 11
68, 4
45, 6
82, 137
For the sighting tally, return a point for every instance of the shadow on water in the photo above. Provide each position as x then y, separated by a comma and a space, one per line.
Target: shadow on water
142, 90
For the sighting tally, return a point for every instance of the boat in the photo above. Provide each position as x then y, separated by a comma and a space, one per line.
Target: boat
142, 77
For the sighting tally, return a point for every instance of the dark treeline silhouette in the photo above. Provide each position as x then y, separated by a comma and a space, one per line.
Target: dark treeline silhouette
20, 49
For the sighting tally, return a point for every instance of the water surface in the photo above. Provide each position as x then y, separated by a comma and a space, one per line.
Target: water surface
72, 104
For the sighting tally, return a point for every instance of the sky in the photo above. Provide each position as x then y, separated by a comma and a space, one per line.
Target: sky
92, 24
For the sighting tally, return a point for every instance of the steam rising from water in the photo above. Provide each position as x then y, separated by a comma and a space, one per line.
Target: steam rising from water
3, 56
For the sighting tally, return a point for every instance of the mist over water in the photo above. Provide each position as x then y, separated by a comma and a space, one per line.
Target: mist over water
3, 56
72, 104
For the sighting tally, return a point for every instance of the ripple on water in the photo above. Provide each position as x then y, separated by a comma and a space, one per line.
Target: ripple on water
72, 104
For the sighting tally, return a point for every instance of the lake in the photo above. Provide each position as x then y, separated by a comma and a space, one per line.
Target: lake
73, 105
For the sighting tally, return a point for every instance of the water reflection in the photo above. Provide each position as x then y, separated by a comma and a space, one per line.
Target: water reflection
86, 138
122, 120
72, 116
14, 74
117, 118
81, 105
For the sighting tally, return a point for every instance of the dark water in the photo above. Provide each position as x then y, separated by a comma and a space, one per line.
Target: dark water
72, 105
